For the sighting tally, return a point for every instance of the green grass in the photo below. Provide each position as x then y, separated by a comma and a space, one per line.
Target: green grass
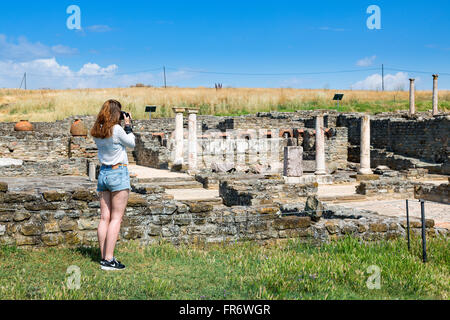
292, 270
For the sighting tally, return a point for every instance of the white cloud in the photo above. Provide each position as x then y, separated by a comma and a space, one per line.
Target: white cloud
366, 62
397, 81
64, 50
24, 50
48, 73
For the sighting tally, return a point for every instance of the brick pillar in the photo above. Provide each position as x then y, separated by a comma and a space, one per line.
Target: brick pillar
365, 146
178, 135
435, 94
320, 147
412, 102
192, 144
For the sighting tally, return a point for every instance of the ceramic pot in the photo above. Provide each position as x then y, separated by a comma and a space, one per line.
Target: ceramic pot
23, 125
78, 129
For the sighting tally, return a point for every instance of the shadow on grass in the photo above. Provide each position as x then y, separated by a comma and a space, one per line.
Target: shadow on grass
89, 252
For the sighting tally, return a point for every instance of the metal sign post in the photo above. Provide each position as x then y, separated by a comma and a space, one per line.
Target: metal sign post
338, 97
150, 110
407, 225
424, 240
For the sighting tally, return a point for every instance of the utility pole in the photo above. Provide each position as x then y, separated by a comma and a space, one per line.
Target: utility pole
382, 77
165, 82
24, 81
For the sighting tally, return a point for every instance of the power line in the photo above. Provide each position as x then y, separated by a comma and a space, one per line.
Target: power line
272, 74
187, 70
415, 71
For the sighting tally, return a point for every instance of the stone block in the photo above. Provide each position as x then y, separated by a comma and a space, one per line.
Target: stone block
6, 216
291, 222
88, 224
378, 227
332, 227
72, 238
21, 216
199, 207
53, 195
40, 206
136, 200
31, 229
3, 187
25, 240
52, 240
293, 158
84, 195
51, 227
67, 224
366, 177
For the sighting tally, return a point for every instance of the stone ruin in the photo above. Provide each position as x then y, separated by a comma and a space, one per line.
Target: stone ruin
262, 177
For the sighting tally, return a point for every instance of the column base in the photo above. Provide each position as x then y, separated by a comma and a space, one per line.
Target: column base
320, 172
365, 171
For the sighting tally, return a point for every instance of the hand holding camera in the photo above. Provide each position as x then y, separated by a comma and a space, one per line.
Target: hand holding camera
126, 116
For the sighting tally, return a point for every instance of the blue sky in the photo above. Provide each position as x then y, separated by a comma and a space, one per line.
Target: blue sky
125, 42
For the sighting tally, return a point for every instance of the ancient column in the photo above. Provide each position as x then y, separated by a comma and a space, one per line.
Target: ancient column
412, 102
192, 144
320, 147
435, 94
365, 146
178, 135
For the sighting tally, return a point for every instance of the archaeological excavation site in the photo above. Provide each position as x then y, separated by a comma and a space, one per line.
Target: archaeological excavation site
316, 175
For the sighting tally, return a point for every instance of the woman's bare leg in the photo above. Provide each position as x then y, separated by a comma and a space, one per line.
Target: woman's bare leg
119, 202
105, 209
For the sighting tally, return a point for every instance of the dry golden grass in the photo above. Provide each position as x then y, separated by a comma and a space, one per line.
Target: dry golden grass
51, 105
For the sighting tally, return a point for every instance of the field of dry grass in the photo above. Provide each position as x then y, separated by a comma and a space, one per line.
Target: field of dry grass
51, 105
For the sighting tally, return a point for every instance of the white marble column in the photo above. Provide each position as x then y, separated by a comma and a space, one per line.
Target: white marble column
320, 147
178, 135
192, 144
435, 94
412, 99
365, 146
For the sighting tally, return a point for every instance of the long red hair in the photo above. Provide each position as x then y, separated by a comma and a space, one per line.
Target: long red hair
107, 118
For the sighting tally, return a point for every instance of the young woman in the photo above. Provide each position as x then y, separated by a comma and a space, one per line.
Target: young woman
114, 179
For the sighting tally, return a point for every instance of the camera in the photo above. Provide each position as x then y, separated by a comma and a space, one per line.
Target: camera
124, 114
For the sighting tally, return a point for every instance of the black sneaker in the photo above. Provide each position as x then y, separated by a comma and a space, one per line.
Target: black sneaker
111, 265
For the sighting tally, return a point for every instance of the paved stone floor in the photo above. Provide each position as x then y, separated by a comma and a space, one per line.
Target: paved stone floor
146, 173
439, 212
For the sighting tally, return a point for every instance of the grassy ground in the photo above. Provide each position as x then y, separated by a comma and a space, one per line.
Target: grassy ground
51, 105
293, 270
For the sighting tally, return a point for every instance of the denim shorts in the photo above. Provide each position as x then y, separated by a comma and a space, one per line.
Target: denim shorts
113, 179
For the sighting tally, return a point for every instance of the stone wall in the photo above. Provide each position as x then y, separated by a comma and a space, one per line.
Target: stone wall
34, 145
386, 186
424, 138
70, 218
430, 192
60, 167
151, 151
263, 191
